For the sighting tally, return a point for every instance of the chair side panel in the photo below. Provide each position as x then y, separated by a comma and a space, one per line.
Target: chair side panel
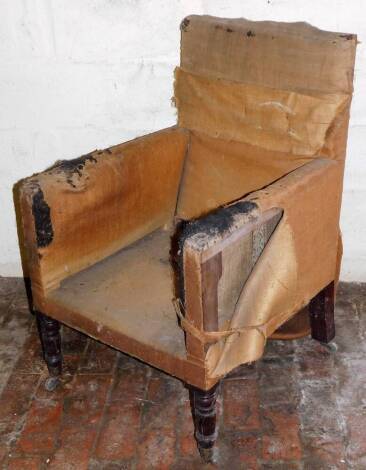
80, 211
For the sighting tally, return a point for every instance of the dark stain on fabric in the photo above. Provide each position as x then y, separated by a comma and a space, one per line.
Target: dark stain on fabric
74, 166
346, 36
42, 219
217, 222
184, 24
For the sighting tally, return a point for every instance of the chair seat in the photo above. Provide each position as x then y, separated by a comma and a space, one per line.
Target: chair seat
128, 297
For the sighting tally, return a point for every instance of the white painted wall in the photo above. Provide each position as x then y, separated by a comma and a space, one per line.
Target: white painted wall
84, 74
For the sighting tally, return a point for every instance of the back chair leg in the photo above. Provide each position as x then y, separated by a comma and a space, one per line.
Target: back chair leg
203, 405
49, 332
321, 309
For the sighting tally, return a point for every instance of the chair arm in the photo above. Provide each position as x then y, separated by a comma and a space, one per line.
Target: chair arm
219, 252
232, 238
79, 211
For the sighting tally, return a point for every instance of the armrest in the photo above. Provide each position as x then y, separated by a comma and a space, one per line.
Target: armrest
80, 211
229, 284
217, 254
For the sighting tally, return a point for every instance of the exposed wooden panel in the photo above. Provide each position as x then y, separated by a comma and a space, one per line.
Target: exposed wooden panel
237, 265
238, 260
211, 271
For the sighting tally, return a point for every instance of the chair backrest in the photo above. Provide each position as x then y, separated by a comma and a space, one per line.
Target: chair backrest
273, 96
291, 56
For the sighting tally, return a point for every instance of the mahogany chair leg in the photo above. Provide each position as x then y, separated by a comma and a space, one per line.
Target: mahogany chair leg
203, 405
49, 332
321, 309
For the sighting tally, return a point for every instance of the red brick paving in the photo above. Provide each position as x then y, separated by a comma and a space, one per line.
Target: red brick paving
24, 463
301, 407
241, 405
186, 443
40, 427
281, 439
119, 434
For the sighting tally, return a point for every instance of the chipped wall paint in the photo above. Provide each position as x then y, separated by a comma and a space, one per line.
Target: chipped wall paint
86, 74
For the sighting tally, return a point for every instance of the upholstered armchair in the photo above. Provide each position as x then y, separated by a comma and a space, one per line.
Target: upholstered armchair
189, 247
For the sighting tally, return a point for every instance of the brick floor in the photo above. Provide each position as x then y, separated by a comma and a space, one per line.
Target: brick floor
303, 406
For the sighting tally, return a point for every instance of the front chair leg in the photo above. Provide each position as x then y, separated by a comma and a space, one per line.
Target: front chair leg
49, 332
203, 405
321, 309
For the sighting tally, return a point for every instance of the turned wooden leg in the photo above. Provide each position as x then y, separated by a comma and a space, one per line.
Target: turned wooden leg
49, 332
321, 309
203, 405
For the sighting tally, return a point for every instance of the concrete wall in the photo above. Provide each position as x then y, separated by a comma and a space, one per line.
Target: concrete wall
84, 74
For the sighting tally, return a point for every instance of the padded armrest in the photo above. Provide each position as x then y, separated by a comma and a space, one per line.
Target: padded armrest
80, 211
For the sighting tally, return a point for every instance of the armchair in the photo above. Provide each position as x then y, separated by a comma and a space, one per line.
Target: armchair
187, 248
